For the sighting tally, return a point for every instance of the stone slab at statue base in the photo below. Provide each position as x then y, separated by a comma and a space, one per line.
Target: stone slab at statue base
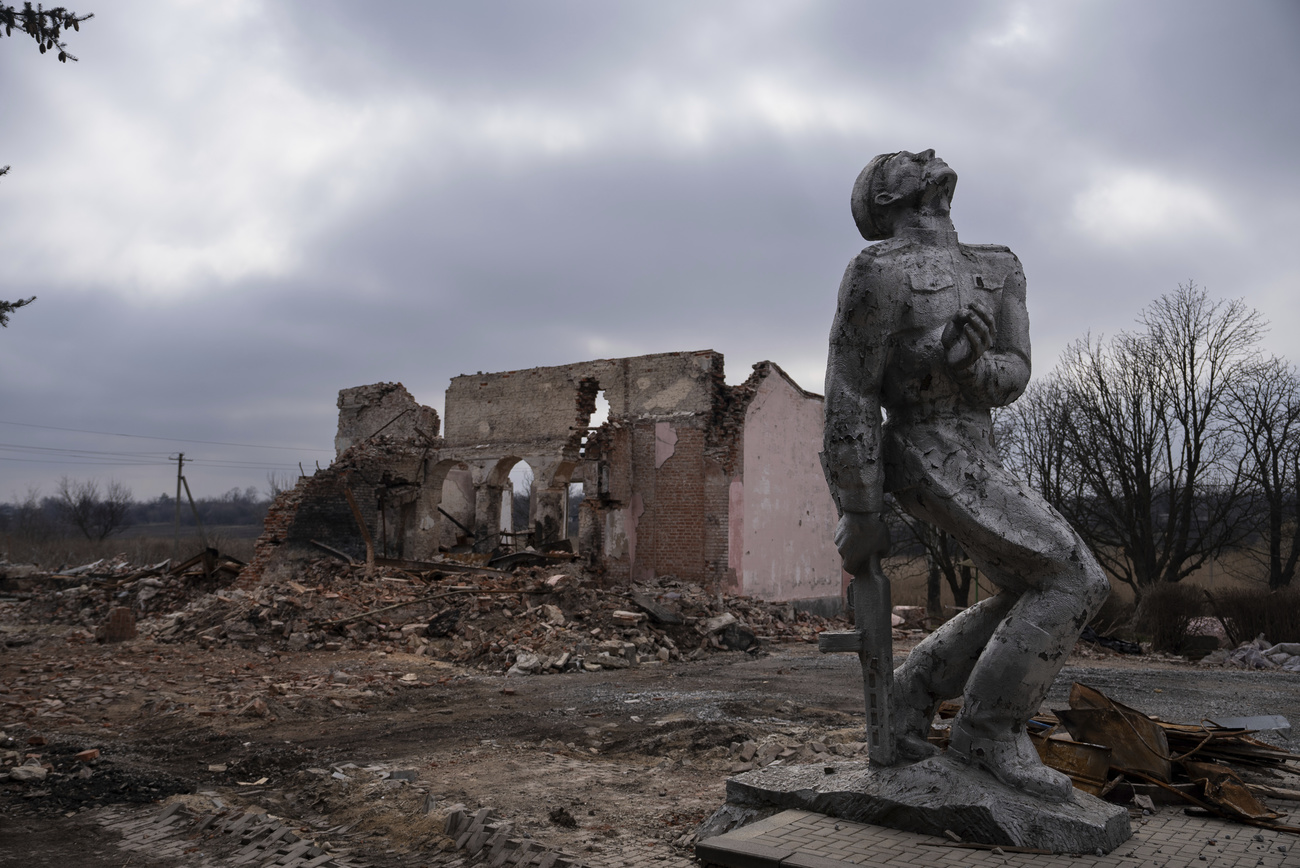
930, 797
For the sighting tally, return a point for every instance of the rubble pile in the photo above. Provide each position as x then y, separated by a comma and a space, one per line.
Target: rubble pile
85, 595
1113, 751
70, 777
790, 750
524, 622
529, 621
1259, 653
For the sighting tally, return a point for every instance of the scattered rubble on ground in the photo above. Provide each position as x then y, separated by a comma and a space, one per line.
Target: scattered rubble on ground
529, 621
216, 664
1258, 653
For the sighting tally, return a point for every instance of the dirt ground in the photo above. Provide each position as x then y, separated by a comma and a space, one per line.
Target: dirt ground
614, 766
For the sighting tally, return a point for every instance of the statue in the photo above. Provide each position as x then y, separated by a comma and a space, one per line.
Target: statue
936, 333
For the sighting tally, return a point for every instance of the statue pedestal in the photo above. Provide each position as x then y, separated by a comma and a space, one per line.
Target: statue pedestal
929, 797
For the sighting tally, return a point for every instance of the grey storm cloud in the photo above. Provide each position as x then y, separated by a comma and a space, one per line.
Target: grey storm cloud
230, 211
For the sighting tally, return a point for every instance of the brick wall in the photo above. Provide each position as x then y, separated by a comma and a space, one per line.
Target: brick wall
275, 532
316, 509
673, 527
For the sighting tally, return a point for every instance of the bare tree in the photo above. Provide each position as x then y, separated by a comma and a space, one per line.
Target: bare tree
1033, 440
1161, 487
944, 558
277, 482
96, 516
1265, 411
29, 522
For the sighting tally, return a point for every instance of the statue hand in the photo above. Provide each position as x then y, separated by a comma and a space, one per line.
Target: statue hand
968, 336
859, 536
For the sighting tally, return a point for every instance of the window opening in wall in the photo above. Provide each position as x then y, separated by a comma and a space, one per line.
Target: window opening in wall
515, 505
572, 504
598, 417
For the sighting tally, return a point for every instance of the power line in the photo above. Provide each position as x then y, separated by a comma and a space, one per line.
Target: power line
134, 457
24, 447
99, 463
66, 462
168, 439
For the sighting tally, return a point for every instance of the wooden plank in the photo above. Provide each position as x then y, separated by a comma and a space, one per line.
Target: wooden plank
831, 643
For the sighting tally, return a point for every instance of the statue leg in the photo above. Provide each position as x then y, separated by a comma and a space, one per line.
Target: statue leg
937, 669
1046, 574
1014, 673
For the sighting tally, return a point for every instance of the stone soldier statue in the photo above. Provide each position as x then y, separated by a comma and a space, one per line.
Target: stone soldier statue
936, 333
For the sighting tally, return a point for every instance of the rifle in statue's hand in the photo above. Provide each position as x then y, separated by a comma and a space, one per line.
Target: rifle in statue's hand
873, 641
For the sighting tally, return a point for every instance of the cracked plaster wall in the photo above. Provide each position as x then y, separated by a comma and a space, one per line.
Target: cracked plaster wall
787, 519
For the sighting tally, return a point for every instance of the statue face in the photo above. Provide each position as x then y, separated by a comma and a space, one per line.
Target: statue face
893, 185
918, 179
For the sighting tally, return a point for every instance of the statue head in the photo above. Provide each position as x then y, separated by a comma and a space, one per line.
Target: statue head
897, 182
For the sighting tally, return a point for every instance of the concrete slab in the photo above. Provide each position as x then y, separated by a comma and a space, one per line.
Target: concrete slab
935, 796
732, 852
1168, 837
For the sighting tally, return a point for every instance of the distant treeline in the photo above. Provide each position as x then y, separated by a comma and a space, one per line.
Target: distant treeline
95, 510
234, 507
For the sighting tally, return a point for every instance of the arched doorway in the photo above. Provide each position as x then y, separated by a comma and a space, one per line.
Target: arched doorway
449, 508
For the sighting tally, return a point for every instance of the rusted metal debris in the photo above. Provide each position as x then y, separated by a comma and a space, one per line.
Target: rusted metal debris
1088, 765
208, 562
1110, 744
440, 566
1135, 741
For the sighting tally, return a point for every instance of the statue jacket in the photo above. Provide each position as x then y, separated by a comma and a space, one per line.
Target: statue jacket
886, 352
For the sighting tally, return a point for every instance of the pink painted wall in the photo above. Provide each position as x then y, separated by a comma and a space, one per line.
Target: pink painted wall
789, 518
736, 531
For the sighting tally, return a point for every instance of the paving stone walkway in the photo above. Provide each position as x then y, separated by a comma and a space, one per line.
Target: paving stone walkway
233, 838
1166, 839
172, 836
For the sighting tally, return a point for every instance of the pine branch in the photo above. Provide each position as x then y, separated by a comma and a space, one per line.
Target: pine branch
46, 26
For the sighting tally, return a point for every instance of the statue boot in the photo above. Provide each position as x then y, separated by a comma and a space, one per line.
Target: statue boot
1012, 759
1011, 678
937, 669
912, 728
913, 710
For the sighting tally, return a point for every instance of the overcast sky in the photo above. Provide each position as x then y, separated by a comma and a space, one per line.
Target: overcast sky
231, 210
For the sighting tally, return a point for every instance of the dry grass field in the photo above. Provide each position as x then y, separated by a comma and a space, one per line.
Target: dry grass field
148, 544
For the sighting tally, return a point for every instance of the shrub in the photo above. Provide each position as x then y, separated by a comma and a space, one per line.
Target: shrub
1248, 612
1115, 616
1165, 613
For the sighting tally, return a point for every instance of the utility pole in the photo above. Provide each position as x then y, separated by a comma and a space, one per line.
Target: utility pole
198, 522
176, 540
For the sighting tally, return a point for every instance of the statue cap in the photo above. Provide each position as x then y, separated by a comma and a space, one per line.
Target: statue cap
865, 211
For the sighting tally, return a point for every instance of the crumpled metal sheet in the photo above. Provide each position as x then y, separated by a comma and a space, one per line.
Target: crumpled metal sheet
1136, 741
1227, 792
1086, 764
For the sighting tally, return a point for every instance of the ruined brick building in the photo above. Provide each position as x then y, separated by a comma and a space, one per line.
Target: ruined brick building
687, 477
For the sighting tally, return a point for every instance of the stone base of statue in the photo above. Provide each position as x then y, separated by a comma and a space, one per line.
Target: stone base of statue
930, 797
